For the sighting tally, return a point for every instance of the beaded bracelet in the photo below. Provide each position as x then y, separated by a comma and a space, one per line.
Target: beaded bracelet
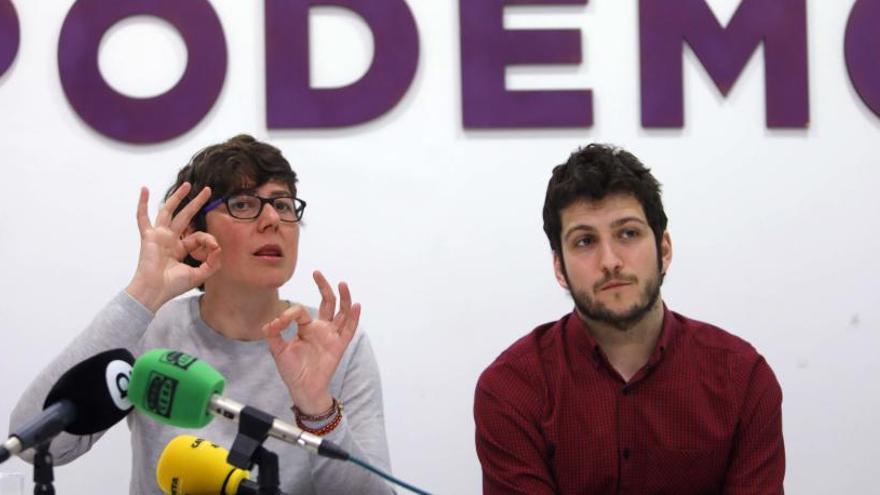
316, 417
337, 410
324, 429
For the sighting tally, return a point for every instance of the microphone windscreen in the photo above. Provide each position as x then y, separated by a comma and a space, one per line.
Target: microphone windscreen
194, 466
98, 388
174, 388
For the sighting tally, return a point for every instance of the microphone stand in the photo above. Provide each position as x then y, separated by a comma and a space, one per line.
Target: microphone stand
43, 473
253, 429
247, 450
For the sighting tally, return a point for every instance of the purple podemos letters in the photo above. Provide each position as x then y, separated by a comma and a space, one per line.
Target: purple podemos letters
292, 103
142, 120
780, 24
487, 48
862, 49
9, 35
665, 26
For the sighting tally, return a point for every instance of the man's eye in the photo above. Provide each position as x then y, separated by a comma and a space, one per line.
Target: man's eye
629, 233
584, 241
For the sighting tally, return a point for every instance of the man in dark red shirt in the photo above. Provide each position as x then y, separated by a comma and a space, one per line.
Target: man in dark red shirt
623, 395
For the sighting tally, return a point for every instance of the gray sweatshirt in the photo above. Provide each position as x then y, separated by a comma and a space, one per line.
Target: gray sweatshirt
251, 378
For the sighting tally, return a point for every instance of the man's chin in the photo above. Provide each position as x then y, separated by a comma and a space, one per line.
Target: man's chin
622, 322
620, 319
618, 316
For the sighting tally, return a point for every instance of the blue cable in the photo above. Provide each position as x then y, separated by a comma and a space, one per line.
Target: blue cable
387, 476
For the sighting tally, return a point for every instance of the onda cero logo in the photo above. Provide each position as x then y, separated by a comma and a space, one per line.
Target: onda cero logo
118, 376
179, 359
160, 394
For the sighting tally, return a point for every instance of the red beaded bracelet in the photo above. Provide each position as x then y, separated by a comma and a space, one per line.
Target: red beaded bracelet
316, 417
326, 428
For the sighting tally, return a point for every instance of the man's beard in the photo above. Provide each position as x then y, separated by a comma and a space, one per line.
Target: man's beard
597, 311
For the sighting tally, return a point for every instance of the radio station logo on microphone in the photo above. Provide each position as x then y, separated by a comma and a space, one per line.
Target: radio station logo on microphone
197, 442
178, 359
160, 394
118, 376
176, 486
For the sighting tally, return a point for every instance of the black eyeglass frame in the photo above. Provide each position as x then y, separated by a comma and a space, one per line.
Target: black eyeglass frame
299, 206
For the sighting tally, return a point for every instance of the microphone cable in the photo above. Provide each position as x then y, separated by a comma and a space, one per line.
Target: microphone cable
161, 378
386, 476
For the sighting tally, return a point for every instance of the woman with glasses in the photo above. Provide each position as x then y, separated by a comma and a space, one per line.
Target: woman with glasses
230, 226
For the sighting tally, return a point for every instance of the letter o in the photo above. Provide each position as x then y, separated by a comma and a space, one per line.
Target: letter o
862, 50
9, 35
142, 120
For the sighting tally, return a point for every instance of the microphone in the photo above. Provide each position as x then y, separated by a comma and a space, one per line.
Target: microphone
195, 466
177, 389
90, 397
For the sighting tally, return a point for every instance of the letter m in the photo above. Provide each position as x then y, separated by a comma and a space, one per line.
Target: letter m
665, 25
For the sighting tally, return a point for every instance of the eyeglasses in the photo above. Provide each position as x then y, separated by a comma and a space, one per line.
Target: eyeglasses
245, 206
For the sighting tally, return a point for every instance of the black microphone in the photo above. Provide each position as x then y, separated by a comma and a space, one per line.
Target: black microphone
90, 397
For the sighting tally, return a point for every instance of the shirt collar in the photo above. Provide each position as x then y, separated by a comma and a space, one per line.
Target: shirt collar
581, 340
667, 336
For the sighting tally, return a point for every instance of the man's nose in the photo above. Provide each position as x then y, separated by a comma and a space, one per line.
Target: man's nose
610, 260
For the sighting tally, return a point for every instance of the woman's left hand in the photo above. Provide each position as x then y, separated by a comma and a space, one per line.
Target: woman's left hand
308, 360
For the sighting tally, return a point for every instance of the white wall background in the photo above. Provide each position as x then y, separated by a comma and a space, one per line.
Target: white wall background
438, 230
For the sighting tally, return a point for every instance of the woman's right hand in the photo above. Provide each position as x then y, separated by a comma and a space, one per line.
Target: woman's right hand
161, 273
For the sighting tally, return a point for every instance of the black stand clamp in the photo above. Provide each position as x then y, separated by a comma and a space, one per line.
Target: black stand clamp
247, 449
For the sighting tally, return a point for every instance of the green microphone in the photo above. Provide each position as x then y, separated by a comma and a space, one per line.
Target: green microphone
175, 388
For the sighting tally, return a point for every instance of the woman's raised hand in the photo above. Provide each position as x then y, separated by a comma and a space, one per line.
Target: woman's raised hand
308, 360
161, 273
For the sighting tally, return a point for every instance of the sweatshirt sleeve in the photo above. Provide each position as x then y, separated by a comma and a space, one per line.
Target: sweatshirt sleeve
120, 324
361, 431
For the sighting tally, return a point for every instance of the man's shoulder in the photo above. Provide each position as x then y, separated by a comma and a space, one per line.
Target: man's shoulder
711, 335
523, 359
716, 343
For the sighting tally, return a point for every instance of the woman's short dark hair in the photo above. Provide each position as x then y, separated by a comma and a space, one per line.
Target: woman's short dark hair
239, 164
594, 172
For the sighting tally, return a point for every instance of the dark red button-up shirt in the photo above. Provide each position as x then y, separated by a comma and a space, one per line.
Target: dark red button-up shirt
703, 416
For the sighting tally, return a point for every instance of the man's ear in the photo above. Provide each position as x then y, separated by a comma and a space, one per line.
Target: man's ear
665, 251
559, 270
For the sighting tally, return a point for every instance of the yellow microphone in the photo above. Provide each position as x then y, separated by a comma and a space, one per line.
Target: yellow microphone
193, 466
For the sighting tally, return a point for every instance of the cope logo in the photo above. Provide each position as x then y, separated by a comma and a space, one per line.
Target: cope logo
199, 441
178, 359
118, 376
160, 394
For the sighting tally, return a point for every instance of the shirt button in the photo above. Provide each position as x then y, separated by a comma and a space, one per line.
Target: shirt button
626, 454
625, 390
